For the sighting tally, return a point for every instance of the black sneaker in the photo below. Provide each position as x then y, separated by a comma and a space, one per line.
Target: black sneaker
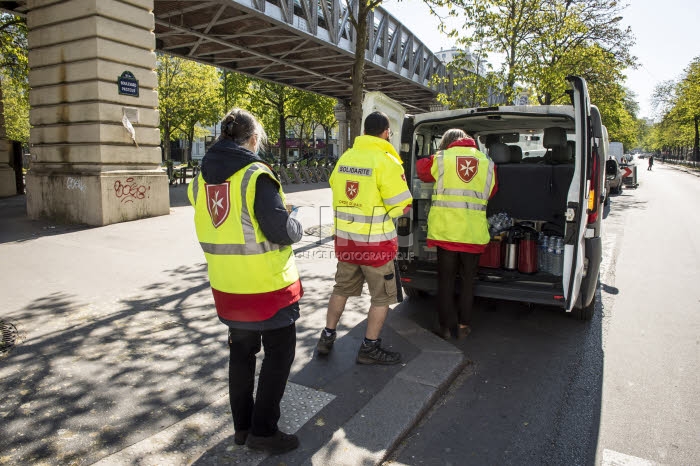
325, 343
375, 354
277, 443
240, 437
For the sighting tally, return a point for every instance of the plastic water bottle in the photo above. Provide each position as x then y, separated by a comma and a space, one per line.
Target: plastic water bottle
542, 253
558, 261
549, 256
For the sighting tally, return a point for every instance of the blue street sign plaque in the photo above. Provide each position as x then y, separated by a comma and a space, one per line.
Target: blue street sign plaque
128, 84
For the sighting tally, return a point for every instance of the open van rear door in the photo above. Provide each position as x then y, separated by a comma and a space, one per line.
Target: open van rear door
376, 101
577, 200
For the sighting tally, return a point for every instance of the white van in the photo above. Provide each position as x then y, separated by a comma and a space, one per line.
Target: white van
557, 188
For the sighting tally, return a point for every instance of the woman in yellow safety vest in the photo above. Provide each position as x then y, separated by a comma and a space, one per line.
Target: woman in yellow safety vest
465, 179
246, 234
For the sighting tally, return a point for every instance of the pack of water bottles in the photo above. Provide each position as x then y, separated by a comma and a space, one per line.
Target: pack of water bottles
499, 223
550, 255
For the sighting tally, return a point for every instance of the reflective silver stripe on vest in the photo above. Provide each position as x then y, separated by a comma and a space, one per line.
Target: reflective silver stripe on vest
398, 198
365, 238
489, 179
248, 230
460, 192
239, 249
441, 171
350, 217
195, 188
459, 205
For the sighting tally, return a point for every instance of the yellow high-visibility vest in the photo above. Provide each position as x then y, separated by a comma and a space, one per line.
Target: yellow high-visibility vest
240, 259
369, 190
464, 181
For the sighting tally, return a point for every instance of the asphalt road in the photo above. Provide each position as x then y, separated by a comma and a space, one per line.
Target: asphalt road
622, 389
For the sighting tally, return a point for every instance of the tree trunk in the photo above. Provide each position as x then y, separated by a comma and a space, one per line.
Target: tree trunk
166, 142
696, 148
328, 140
283, 138
190, 141
358, 72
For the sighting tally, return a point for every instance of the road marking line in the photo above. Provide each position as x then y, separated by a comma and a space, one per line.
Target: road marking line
613, 458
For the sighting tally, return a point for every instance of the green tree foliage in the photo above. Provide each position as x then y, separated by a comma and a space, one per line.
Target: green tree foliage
276, 106
581, 37
542, 42
15, 96
14, 84
679, 105
312, 111
476, 82
188, 96
503, 27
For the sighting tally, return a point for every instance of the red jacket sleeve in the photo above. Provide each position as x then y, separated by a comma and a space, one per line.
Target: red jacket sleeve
423, 167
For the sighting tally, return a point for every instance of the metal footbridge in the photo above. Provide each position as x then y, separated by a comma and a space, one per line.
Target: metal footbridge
307, 44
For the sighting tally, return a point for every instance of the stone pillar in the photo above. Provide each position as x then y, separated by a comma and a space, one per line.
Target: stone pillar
342, 114
8, 187
85, 166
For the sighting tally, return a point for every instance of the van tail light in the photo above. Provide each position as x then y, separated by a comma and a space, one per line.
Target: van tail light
594, 188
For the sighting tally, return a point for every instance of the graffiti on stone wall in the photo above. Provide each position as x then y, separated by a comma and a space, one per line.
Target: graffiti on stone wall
130, 190
75, 183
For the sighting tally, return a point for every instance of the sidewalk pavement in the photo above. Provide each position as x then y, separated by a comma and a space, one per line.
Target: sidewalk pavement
120, 359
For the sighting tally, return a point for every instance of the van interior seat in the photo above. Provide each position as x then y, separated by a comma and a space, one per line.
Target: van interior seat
516, 154
499, 153
528, 191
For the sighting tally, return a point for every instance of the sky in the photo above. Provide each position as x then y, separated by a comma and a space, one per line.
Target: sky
664, 33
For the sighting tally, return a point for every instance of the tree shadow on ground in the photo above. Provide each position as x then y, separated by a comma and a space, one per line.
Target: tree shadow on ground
87, 379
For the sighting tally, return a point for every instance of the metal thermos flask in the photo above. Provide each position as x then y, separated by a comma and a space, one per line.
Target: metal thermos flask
511, 256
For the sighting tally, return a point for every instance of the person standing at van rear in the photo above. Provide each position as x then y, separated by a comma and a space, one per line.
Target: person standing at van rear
369, 191
465, 179
246, 233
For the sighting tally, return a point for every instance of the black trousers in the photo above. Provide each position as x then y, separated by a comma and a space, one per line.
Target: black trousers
260, 416
449, 263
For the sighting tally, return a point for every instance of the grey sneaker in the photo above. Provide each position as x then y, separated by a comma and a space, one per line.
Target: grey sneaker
375, 354
325, 343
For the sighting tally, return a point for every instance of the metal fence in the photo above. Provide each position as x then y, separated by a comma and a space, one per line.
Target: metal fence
292, 173
303, 173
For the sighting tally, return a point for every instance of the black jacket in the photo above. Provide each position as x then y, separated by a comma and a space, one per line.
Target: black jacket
224, 159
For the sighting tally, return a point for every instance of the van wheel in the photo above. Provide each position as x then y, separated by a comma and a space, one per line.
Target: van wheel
584, 313
414, 293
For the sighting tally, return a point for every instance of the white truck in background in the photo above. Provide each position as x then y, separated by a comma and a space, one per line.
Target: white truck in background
617, 150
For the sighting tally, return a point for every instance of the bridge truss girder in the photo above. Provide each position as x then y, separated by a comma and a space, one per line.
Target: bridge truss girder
308, 44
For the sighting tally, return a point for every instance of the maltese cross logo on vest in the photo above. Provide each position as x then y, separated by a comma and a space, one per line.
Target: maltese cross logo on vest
218, 202
351, 189
467, 167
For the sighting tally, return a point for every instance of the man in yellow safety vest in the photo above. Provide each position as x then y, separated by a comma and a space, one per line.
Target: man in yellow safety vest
246, 234
369, 191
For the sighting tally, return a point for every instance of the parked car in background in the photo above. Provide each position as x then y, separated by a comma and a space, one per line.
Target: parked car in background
613, 179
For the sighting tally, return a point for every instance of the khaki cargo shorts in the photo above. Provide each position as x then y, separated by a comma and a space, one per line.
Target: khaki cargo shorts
381, 282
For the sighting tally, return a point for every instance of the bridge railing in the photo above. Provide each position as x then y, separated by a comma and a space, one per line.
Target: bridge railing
391, 45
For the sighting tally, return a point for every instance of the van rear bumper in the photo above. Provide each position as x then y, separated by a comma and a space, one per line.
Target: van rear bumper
536, 292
